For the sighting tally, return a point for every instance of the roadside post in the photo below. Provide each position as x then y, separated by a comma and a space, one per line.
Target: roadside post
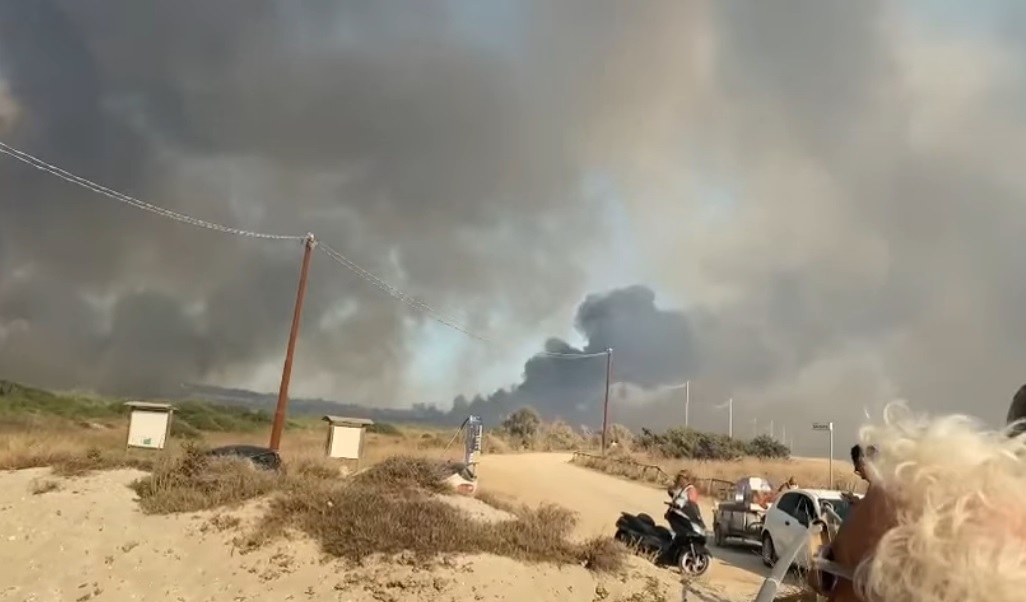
828, 426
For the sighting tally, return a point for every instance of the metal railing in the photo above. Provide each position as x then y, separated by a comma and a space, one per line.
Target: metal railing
707, 485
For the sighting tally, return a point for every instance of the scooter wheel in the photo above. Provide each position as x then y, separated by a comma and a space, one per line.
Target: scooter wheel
694, 563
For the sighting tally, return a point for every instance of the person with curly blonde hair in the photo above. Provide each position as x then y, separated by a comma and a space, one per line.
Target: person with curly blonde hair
944, 519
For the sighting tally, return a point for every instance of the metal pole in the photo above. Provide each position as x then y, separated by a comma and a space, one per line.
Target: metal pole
730, 418
687, 402
831, 456
286, 373
605, 406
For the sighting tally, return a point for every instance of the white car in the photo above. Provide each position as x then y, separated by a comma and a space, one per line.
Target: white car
788, 520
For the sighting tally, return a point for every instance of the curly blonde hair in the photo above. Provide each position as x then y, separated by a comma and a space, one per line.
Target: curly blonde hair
958, 492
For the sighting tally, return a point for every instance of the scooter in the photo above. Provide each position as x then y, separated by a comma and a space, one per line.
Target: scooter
686, 549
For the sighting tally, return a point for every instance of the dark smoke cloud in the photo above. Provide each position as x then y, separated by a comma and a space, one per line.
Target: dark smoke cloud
866, 244
390, 134
651, 348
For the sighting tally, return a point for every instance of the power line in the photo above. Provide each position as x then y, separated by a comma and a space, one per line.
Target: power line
571, 356
187, 219
396, 293
134, 202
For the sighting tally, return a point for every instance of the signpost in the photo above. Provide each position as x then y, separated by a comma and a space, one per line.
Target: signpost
472, 449
829, 426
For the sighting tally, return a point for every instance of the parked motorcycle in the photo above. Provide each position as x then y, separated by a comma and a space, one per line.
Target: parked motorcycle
686, 549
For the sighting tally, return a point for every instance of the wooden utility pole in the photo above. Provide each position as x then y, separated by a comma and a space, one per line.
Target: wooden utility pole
281, 410
605, 406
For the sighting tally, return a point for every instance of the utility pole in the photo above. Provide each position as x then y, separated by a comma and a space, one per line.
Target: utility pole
771, 430
281, 409
605, 406
687, 402
783, 434
829, 426
730, 418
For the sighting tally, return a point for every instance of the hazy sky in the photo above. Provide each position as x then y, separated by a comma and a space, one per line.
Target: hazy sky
827, 193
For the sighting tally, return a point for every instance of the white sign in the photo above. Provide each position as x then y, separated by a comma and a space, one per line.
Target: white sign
148, 429
345, 442
819, 426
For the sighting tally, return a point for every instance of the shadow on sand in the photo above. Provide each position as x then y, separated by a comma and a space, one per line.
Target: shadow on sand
746, 556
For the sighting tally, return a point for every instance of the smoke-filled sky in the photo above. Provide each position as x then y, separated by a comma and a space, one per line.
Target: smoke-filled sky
826, 196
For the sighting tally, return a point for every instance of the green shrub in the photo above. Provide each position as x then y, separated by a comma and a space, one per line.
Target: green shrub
681, 443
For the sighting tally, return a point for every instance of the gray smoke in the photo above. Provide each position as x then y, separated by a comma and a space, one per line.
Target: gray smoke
863, 244
865, 240
428, 157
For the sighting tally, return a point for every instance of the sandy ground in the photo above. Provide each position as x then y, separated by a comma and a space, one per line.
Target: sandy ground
88, 541
598, 499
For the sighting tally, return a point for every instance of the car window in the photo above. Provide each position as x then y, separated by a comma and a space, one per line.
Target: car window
805, 510
841, 506
788, 503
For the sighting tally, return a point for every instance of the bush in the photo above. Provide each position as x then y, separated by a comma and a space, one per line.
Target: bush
183, 430
767, 447
405, 472
384, 428
559, 436
622, 436
522, 426
196, 481
681, 443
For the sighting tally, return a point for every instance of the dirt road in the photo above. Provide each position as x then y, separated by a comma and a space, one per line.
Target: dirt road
599, 499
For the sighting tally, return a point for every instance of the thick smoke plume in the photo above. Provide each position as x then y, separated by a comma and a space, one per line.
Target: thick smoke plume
423, 153
652, 348
831, 191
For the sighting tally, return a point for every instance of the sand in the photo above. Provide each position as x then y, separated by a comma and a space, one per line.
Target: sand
87, 540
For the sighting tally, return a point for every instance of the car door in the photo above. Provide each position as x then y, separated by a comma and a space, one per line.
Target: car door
806, 511
780, 518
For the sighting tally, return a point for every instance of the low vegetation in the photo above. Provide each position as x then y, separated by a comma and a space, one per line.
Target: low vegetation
22, 407
715, 476
393, 507
685, 443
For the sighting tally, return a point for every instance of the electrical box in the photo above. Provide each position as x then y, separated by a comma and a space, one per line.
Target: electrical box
346, 437
149, 424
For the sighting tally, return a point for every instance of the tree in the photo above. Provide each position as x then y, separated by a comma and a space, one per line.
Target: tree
523, 424
765, 446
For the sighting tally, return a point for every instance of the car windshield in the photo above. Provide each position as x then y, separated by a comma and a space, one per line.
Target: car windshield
841, 506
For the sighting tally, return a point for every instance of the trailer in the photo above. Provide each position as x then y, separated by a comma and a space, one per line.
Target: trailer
741, 518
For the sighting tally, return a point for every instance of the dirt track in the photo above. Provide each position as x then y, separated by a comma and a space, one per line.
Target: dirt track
599, 499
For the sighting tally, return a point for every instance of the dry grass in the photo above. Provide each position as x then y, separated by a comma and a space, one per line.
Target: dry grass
809, 472
195, 481
74, 449
70, 451
393, 508
41, 486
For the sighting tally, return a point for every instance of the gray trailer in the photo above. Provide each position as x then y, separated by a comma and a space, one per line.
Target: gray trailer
737, 521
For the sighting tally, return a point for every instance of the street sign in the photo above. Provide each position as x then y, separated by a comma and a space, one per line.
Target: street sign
829, 427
